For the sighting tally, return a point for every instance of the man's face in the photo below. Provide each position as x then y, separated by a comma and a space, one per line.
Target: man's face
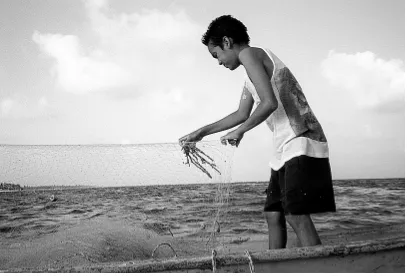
225, 56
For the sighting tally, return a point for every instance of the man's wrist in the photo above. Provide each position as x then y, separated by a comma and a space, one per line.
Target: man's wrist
202, 132
240, 131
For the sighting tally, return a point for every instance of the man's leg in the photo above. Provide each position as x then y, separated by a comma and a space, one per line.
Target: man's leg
277, 229
304, 228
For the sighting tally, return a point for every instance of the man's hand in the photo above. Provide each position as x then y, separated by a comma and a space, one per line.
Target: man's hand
190, 138
233, 138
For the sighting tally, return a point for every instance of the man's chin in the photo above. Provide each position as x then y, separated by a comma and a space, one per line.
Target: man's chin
234, 67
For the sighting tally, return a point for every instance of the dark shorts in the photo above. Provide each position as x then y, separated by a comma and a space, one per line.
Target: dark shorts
302, 186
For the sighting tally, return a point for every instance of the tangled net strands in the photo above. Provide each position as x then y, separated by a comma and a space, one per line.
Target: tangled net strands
215, 263
200, 159
193, 155
167, 244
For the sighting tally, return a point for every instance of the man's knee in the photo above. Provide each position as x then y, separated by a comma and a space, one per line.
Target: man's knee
305, 229
275, 218
297, 221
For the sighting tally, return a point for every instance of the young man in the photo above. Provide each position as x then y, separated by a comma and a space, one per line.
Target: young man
301, 182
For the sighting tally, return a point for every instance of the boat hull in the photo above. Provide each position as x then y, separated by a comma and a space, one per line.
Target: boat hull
382, 255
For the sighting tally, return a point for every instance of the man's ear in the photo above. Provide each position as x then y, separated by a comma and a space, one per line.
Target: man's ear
227, 42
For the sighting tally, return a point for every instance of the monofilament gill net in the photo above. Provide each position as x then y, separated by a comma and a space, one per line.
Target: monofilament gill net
97, 203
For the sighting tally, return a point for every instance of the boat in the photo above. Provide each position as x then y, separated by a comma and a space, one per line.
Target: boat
379, 255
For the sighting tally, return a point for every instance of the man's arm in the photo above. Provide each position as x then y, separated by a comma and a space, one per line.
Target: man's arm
232, 120
261, 81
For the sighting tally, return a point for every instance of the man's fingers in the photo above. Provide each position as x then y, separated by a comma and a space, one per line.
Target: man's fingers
233, 142
182, 140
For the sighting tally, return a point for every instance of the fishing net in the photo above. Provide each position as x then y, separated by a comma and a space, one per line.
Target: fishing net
82, 204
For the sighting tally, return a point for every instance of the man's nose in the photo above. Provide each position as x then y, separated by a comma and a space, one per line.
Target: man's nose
220, 62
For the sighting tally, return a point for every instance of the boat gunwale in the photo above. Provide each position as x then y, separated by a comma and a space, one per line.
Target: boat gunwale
205, 262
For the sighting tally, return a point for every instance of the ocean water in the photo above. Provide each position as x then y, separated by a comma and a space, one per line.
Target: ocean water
182, 210
360, 203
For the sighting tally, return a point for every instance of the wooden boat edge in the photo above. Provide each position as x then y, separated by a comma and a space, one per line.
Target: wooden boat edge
206, 262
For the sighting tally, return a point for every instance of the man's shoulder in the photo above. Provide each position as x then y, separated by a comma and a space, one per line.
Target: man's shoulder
252, 52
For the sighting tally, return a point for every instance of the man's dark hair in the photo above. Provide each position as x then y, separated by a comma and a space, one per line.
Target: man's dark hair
226, 25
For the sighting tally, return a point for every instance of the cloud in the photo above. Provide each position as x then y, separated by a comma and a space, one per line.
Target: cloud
98, 4
372, 132
78, 72
372, 82
22, 108
6, 106
170, 104
145, 51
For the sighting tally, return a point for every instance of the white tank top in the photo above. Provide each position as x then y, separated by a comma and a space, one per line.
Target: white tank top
296, 130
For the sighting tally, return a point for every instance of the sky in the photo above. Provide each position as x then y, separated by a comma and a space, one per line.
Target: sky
135, 72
